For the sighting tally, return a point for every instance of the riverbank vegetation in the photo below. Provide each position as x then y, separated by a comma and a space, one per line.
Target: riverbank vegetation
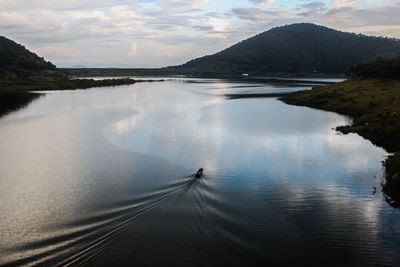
374, 105
43, 83
380, 68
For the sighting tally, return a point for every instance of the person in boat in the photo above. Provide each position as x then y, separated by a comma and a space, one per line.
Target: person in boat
199, 173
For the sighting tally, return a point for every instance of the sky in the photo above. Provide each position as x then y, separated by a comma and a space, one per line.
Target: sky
158, 33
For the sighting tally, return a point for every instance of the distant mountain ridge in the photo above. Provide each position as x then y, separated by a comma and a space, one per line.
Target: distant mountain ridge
15, 58
296, 48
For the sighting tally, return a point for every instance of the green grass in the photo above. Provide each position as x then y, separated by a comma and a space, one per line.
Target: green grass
374, 106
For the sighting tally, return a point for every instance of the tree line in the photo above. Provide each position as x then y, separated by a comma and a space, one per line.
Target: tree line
380, 68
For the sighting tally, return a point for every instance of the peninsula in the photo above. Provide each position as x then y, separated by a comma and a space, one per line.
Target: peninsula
372, 98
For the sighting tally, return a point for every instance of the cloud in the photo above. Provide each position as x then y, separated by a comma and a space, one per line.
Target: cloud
202, 27
133, 51
218, 24
344, 3
43, 20
258, 14
167, 22
378, 30
186, 3
99, 31
85, 14
12, 20
384, 22
56, 4
122, 12
253, 14
312, 9
263, 2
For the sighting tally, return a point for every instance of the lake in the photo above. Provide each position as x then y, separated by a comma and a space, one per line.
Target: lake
105, 177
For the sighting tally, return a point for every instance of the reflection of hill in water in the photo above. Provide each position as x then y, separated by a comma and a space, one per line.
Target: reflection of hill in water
12, 101
391, 186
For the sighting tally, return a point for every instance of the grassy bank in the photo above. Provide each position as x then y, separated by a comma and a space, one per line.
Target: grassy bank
51, 83
374, 106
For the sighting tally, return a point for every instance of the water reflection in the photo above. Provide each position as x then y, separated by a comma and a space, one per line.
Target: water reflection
242, 133
101, 177
391, 182
11, 101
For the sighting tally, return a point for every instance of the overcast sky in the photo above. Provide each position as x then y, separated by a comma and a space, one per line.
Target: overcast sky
157, 33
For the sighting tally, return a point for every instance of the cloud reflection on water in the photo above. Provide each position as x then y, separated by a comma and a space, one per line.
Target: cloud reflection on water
192, 130
278, 180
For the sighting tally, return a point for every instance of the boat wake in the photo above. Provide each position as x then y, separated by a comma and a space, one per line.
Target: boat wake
78, 241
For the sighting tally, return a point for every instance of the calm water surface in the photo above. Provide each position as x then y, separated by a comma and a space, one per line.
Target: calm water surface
103, 177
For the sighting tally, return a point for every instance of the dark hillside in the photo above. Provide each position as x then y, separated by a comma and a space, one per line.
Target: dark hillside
15, 58
296, 48
22, 71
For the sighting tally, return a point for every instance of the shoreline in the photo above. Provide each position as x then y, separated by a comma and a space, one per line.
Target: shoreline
374, 106
18, 93
55, 84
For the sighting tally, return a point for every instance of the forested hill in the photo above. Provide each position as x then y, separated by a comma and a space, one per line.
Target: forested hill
15, 58
296, 48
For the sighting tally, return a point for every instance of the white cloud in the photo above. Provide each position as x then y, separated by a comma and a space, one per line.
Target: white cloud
344, 3
218, 24
13, 19
378, 30
56, 4
263, 2
39, 21
122, 12
187, 3
85, 14
133, 51
313, 9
